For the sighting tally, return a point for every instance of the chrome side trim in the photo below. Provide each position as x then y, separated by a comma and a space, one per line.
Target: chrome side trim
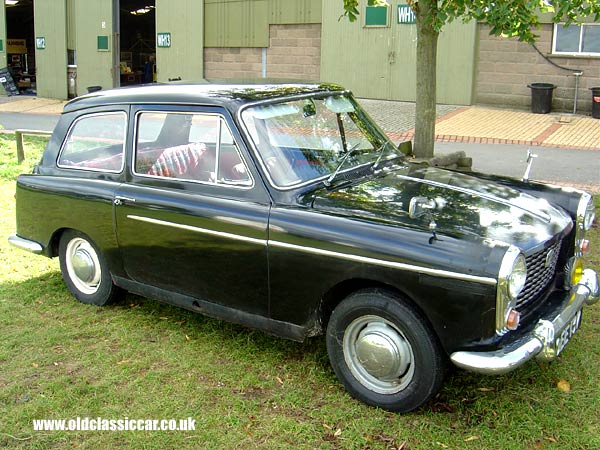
322, 252
25, 244
181, 226
384, 263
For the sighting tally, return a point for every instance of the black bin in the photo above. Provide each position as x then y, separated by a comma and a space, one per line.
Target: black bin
91, 89
596, 102
541, 97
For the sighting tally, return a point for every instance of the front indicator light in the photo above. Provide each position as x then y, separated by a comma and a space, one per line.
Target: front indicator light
513, 319
584, 246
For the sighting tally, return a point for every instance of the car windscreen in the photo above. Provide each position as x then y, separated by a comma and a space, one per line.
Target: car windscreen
300, 141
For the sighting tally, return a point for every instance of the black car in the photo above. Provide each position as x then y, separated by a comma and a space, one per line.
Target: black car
284, 207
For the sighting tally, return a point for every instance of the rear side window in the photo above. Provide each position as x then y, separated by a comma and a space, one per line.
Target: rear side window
95, 142
188, 146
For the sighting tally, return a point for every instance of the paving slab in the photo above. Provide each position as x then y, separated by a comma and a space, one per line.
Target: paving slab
32, 105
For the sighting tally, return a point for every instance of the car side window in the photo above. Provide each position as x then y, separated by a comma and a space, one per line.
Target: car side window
95, 142
188, 146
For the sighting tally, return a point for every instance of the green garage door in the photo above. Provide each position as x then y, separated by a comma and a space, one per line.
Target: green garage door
50, 18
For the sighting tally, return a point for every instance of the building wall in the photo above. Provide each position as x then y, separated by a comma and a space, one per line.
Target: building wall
3, 61
232, 62
380, 62
234, 23
294, 52
506, 66
94, 66
50, 17
184, 20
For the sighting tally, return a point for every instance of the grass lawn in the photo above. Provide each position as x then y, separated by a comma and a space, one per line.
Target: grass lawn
145, 360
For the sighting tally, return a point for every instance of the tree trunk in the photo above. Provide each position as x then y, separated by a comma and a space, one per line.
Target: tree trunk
425, 115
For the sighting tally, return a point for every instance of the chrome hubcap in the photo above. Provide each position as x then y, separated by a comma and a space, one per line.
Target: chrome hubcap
378, 354
83, 265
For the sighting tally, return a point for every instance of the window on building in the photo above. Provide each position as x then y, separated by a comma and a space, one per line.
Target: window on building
577, 39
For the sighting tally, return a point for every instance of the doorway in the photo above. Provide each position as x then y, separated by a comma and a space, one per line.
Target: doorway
137, 42
20, 44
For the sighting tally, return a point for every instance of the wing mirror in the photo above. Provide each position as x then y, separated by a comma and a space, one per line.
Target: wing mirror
420, 206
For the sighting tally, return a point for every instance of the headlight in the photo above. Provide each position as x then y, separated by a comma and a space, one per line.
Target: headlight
590, 215
585, 212
516, 280
511, 281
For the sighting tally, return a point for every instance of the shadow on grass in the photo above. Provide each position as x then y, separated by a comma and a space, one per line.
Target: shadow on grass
469, 400
49, 288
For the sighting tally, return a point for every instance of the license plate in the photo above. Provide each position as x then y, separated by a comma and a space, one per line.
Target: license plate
567, 333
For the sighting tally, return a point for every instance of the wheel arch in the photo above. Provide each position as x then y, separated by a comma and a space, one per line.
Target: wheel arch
337, 293
54, 242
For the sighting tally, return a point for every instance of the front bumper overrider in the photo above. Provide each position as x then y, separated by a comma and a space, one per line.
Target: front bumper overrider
542, 343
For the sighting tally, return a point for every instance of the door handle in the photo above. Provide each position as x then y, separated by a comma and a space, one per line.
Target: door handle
119, 200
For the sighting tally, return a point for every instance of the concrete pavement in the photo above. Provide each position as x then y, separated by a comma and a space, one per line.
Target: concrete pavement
568, 146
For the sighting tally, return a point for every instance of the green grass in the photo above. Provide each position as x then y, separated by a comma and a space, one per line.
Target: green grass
144, 359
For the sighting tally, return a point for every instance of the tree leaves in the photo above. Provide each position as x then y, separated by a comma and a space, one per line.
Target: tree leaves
351, 8
508, 18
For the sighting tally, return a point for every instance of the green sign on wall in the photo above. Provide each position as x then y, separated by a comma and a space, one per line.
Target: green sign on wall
376, 16
406, 14
40, 43
163, 40
103, 43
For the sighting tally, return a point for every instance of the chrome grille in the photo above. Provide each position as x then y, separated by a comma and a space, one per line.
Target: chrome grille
541, 267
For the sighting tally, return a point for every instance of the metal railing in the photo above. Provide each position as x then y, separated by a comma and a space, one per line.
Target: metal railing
19, 138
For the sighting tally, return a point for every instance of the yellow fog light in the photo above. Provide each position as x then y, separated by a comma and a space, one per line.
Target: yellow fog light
575, 271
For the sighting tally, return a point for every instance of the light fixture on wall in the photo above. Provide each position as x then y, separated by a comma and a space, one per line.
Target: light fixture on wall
10, 3
141, 11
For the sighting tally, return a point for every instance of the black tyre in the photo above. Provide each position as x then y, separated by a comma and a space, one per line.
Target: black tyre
384, 352
85, 271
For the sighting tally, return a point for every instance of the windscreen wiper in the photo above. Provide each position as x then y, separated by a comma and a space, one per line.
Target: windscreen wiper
331, 177
382, 151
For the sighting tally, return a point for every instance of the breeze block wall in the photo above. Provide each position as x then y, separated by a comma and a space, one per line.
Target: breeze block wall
506, 66
232, 62
294, 52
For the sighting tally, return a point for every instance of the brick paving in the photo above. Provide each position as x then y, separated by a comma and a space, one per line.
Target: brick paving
476, 124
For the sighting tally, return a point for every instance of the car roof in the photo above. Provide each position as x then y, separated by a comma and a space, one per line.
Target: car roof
231, 94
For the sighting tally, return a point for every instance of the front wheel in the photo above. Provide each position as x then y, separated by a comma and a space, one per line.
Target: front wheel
383, 352
85, 271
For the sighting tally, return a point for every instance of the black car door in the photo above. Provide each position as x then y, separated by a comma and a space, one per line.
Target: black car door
192, 219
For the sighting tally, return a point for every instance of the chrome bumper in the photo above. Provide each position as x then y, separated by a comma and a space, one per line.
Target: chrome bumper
25, 244
541, 343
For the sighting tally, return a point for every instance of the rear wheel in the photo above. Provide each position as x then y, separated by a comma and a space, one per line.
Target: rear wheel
85, 271
384, 352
